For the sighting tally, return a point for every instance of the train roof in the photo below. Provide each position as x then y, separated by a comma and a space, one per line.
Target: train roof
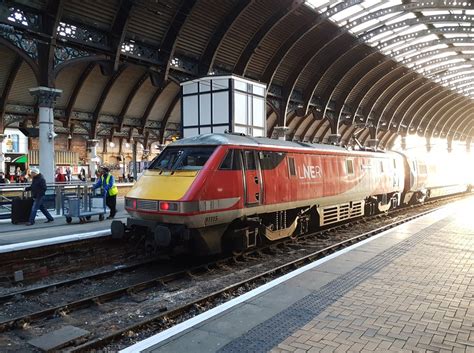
245, 140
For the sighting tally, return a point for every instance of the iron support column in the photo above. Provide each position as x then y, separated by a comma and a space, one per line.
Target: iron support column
2, 154
46, 97
93, 159
134, 160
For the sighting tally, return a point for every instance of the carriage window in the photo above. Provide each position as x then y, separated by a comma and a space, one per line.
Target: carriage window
381, 167
249, 160
270, 160
350, 166
291, 166
394, 164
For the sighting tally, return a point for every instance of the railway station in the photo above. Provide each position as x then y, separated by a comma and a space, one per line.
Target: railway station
236, 176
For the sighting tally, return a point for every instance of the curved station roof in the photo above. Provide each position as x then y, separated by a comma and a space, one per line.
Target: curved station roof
334, 69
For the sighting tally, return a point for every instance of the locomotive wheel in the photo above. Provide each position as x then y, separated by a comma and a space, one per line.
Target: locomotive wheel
101, 217
68, 219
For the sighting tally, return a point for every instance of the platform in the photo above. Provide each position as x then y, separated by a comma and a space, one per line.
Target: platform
410, 289
21, 234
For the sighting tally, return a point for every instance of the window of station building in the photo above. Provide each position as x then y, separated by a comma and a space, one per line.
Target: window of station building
350, 166
291, 166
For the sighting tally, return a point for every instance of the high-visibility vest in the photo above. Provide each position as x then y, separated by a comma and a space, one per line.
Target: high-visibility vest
113, 190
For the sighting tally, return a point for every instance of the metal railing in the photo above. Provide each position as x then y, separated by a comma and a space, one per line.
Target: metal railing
53, 195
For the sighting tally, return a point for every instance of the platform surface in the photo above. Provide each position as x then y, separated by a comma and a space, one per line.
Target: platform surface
19, 233
409, 290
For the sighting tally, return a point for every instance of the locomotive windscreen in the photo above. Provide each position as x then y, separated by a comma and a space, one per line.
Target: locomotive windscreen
182, 158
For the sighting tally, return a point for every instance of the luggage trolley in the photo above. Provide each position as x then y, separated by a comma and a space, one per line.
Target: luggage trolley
83, 207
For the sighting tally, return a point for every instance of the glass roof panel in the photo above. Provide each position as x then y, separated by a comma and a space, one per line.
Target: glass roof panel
418, 34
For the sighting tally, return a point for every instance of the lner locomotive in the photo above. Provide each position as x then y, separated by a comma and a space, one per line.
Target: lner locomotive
218, 193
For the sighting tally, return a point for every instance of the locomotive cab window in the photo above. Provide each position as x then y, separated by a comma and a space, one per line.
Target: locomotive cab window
249, 160
182, 158
350, 166
231, 161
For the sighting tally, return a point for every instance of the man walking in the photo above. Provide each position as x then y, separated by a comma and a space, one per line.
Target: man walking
107, 182
38, 189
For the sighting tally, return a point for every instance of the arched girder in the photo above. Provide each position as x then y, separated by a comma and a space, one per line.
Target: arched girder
373, 94
433, 53
289, 120
343, 130
411, 22
318, 127
336, 71
460, 119
460, 76
468, 128
361, 87
409, 39
430, 43
170, 39
406, 7
136, 87
346, 135
318, 50
119, 28
75, 93
364, 136
298, 125
444, 93
452, 75
279, 56
166, 116
310, 125
408, 101
440, 70
459, 133
392, 136
23, 55
323, 138
349, 78
461, 83
151, 103
103, 97
387, 95
17, 62
419, 102
49, 25
279, 15
435, 109
453, 116
433, 121
209, 54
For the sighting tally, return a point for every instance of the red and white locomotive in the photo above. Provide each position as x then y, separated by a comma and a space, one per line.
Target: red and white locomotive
228, 192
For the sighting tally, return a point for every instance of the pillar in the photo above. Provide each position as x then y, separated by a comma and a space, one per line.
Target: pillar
281, 132
134, 160
334, 139
403, 143
373, 143
2, 155
93, 158
428, 144
46, 97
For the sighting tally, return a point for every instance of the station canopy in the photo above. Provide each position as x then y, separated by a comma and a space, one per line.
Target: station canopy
335, 71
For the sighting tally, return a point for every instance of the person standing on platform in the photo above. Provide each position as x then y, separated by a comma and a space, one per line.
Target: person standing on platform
3, 179
68, 173
38, 189
107, 182
60, 178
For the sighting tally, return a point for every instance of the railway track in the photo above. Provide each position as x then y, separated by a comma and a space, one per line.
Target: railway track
165, 313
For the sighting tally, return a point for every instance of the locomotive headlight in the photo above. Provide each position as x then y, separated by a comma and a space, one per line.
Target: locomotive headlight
168, 206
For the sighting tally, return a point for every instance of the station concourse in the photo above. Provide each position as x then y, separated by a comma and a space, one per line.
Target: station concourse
112, 83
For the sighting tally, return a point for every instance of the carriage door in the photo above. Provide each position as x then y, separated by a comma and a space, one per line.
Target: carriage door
252, 178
